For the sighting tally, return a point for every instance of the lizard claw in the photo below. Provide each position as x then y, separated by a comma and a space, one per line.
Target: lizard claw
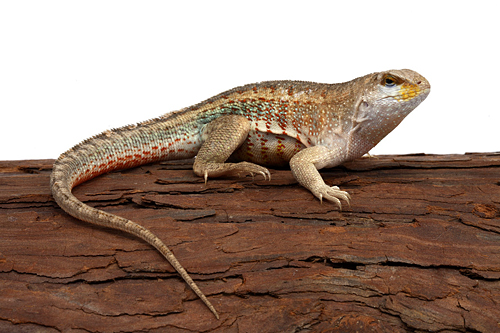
266, 174
332, 193
239, 169
252, 169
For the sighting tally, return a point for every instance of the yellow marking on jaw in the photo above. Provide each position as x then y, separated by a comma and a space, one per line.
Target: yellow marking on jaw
408, 91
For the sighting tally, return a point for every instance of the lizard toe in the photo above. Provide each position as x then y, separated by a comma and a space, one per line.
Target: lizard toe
333, 194
245, 168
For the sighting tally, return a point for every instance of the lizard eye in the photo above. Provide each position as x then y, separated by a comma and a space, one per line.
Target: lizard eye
389, 81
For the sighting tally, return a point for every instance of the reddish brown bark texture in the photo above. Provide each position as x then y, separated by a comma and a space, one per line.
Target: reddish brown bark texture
417, 251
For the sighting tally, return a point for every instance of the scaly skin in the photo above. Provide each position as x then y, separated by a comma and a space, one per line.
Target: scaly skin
308, 125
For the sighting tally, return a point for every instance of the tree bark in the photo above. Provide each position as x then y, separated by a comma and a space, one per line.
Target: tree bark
418, 250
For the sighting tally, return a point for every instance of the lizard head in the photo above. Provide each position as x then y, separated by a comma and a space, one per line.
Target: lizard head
387, 98
395, 91
403, 85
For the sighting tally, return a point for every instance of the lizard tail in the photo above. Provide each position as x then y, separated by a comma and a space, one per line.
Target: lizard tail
86, 161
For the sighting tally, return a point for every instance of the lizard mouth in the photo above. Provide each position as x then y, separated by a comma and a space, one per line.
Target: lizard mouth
410, 91
405, 96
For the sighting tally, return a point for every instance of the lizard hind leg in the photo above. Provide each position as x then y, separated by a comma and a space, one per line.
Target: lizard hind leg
221, 138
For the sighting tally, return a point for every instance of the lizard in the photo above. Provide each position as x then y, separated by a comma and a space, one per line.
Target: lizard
243, 131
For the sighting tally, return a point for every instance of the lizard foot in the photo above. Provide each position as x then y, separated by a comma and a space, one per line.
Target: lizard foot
247, 168
231, 169
332, 193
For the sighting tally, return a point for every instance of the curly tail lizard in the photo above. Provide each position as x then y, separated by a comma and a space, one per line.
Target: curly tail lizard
307, 125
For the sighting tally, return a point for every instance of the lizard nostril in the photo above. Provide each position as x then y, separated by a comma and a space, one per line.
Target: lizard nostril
419, 82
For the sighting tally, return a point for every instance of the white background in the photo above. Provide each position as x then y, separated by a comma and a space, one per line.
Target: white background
69, 70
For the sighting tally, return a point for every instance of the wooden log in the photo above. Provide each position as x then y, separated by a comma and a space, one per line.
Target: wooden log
418, 250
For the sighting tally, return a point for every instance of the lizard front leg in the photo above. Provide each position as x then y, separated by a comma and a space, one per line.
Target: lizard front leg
221, 138
305, 165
